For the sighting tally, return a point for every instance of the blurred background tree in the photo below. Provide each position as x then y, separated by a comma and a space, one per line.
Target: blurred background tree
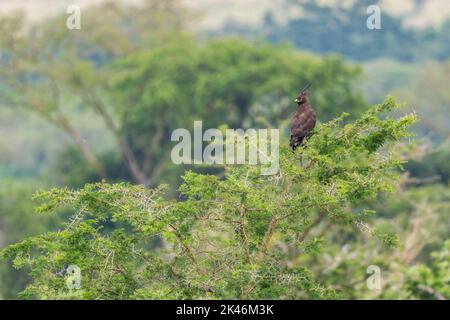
101, 102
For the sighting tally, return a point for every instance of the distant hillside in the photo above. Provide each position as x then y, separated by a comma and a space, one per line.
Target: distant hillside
342, 29
412, 30
416, 13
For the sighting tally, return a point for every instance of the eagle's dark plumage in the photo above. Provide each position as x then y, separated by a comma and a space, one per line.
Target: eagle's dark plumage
303, 120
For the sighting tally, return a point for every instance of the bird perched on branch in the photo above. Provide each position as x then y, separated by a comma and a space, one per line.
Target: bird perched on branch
303, 120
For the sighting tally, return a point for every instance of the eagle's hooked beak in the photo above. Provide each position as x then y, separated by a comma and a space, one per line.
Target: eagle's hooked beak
296, 100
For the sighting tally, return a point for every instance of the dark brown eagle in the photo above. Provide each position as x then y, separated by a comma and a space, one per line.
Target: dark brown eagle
303, 120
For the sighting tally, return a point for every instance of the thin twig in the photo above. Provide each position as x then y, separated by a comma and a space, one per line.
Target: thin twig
267, 238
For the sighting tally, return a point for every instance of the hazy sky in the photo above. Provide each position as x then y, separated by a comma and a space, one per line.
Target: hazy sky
215, 12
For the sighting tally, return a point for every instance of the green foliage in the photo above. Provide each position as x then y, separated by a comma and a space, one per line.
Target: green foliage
424, 282
418, 216
434, 164
117, 92
224, 238
16, 207
223, 82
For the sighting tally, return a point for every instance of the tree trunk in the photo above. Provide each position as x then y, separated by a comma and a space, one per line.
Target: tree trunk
81, 144
137, 173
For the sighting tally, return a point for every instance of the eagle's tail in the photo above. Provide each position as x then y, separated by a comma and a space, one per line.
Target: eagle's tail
295, 142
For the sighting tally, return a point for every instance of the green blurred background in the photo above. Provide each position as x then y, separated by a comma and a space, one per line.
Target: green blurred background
78, 106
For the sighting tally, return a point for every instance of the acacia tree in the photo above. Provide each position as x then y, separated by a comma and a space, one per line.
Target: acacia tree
236, 237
